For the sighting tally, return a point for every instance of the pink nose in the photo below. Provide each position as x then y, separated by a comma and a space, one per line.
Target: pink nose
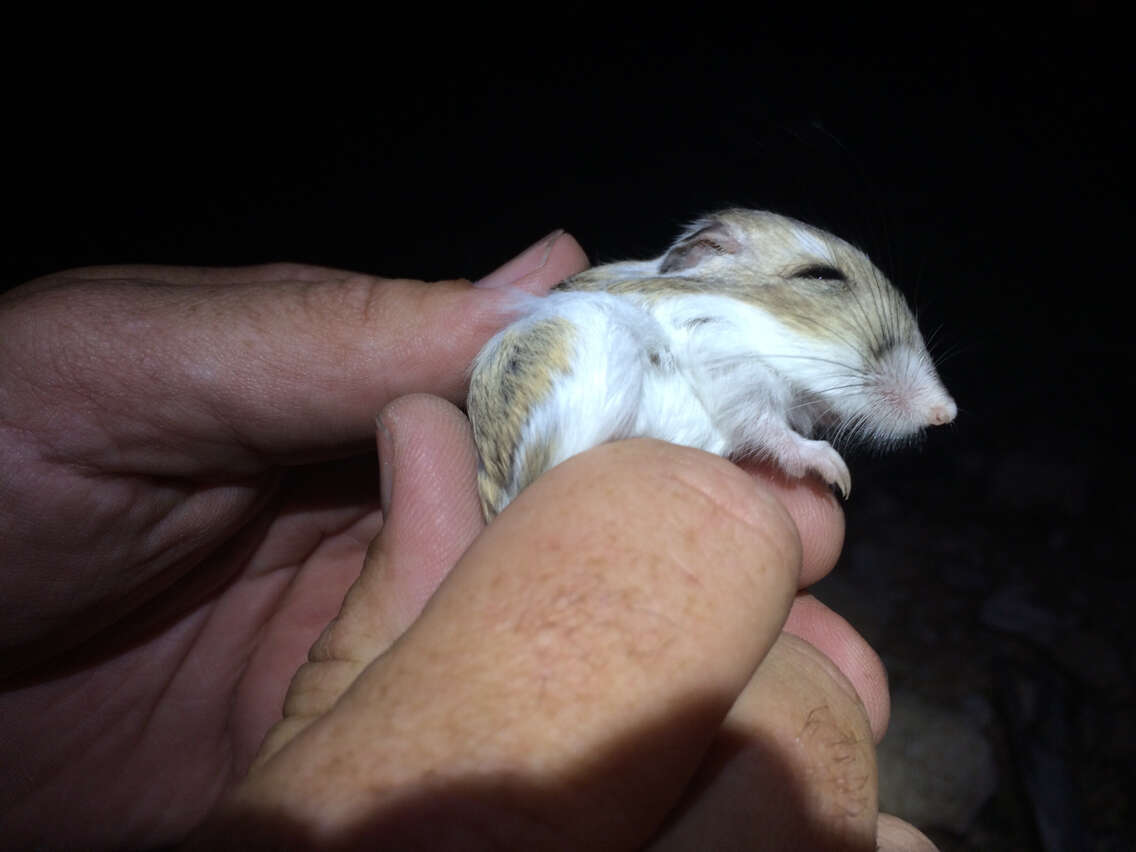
942, 413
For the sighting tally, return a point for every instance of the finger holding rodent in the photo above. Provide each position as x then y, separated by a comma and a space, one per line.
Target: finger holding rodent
428, 465
814, 509
428, 471
224, 374
534, 688
430, 517
557, 254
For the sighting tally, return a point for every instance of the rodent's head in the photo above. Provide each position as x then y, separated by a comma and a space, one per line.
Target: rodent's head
850, 340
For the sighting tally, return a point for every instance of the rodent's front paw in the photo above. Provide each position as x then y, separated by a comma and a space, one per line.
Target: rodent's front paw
832, 467
818, 456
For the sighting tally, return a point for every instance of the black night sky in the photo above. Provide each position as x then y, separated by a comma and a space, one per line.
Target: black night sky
981, 162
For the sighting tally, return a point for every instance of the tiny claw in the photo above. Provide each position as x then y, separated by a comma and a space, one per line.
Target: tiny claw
843, 478
826, 461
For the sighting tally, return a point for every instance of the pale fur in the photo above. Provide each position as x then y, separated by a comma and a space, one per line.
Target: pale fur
718, 344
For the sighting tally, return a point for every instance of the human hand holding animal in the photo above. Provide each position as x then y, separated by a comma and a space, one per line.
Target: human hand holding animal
182, 519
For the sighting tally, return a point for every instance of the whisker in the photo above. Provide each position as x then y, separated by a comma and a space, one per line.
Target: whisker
843, 365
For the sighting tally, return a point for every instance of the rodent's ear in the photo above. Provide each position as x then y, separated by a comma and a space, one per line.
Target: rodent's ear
710, 240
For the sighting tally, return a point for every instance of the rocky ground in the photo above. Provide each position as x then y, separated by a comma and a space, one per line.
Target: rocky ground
989, 583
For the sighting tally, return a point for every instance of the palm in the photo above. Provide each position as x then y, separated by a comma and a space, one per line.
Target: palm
257, 630
177, 701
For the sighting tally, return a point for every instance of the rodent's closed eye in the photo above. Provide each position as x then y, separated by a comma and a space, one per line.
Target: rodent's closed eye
821, 272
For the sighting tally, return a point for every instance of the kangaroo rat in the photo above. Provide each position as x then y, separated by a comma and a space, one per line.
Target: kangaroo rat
748, 334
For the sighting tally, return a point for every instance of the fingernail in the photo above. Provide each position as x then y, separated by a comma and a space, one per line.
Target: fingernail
386, 464
525, 263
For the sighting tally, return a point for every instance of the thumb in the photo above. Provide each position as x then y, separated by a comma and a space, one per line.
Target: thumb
223, 372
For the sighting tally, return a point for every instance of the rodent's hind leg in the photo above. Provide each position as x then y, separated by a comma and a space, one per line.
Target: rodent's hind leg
797, 455
561, 381
513, 379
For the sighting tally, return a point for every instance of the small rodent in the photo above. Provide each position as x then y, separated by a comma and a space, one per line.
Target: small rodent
751, 332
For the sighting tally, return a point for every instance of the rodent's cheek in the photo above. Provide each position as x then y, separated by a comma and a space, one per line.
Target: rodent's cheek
815, 510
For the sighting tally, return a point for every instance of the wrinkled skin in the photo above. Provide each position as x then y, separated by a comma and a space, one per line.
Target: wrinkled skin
186, 499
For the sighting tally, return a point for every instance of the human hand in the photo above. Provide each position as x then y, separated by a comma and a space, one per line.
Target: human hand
181, 514
185, 651
567, 684
609, 643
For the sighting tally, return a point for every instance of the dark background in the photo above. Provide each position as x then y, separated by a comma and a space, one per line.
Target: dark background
981, 162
